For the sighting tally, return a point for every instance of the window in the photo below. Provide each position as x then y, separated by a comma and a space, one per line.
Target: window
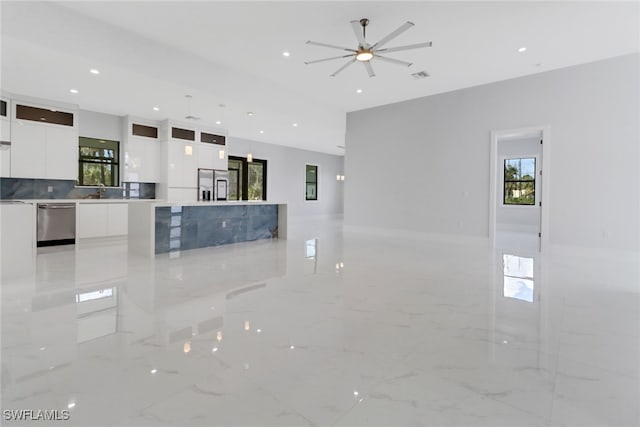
3, 108
210, 138
98, 162
188, 134
311, 183
146, 131
44, 115
520, 181
247, 180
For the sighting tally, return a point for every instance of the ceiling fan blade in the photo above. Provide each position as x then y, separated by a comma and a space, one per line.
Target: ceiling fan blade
343, 67
407, 47
369, 68
404, 27
357, 30
393, 61
330, 45
329, 59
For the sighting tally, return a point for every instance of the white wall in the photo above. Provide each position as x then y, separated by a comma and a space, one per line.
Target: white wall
99, 125
513, 217
423, 165
286, 176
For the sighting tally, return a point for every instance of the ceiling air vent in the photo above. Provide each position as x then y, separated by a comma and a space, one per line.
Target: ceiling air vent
420, 75
190, 117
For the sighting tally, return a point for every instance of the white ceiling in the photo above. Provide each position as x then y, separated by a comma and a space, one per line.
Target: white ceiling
152, 53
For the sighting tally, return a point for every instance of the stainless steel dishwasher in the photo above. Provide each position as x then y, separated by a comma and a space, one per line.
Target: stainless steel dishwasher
56, 224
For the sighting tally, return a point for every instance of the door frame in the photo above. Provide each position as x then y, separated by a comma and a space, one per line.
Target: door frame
496, 135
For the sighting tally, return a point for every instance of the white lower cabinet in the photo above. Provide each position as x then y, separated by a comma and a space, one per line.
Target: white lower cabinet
117, 219
92, 220
102, 219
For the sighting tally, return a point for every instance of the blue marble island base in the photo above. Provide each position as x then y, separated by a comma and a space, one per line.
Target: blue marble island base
157, 228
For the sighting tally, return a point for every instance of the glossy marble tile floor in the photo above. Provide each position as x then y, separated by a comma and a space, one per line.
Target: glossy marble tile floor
327, 328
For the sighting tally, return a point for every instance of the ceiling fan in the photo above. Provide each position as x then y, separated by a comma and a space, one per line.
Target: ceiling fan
366, 52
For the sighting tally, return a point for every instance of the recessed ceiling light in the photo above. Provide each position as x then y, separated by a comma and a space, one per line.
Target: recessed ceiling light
261, 131
358, 90
94, 71
73, 90
250, 114
218, 122
522, 49
285, 53
156, 109
295, 125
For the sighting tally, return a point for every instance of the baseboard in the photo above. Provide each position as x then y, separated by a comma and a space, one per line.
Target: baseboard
419, 235
596, 253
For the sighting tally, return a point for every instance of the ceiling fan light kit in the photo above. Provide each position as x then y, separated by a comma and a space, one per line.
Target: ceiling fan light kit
366, 52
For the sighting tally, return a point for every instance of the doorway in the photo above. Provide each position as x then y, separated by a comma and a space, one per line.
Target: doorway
519, 188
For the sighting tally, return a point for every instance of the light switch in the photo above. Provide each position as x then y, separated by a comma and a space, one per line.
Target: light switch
50, 189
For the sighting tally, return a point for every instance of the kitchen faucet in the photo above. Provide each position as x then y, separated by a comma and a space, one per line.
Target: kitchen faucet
101, 189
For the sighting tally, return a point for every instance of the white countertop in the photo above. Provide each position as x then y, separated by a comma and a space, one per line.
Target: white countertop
32, 201
165, 203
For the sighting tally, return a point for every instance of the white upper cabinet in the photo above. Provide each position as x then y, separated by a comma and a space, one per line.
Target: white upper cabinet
61, 153
28, 151
44, 142
141, 151
5, 139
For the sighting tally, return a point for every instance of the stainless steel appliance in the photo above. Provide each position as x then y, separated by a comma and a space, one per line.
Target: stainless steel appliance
56, 224
205, 184
222, 182
212, 184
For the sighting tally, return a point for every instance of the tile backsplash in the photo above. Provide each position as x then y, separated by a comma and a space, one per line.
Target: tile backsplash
26, 188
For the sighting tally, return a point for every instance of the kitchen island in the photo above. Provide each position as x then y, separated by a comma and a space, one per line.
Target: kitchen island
162, 227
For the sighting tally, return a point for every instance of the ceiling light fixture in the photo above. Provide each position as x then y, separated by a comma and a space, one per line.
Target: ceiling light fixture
286, 54
364, 55
94, 71
522, 49
358, 90
261, 131
250, 114
156, 109
74, 91
218, 122
365, 52
295, 125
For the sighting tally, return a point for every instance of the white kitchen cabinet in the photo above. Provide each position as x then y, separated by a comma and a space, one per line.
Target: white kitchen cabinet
5, 150
61, 153
28, 150
174, 172
142, 159
102, 219
117, 219
182, 164
92, 220
44, 151
190, 166
206, 156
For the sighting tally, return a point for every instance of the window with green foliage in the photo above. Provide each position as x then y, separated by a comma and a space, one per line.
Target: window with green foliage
247, 180
311, 192
520, 181
98, 162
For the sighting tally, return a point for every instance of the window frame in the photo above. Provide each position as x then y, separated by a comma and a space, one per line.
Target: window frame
534, 181
244, 187
306, 183
114, 162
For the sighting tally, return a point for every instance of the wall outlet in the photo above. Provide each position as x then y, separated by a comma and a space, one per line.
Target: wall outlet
50, 189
